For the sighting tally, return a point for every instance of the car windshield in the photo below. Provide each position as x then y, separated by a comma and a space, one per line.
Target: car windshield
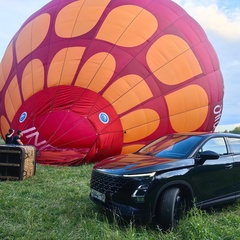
172, 146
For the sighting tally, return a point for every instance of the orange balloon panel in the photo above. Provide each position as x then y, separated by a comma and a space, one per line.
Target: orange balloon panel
89, 79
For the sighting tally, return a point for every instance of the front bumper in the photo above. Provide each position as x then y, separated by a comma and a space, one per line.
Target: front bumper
124, 211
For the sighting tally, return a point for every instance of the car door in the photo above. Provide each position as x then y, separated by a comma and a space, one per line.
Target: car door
234, 145
213, 180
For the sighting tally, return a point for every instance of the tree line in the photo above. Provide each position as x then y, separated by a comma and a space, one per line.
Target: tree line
235, 130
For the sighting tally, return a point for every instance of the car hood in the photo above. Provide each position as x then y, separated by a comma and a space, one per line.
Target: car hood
137, 164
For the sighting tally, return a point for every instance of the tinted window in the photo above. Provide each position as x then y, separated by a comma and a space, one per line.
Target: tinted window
217, 145
174, 146
234, 145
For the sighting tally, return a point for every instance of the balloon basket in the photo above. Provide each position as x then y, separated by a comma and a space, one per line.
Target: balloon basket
17, 162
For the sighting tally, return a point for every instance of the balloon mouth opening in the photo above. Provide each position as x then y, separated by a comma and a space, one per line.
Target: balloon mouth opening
69, 140
72, 129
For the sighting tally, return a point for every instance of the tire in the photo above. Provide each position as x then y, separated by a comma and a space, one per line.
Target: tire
171, 206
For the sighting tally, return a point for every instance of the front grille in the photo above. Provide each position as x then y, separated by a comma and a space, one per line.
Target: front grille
106, 183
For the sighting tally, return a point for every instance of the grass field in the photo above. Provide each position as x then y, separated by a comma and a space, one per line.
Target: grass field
54, 204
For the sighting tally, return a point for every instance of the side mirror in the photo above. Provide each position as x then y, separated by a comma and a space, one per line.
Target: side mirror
207, 155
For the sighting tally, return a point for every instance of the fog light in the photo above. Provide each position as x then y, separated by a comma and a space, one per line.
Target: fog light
139, 194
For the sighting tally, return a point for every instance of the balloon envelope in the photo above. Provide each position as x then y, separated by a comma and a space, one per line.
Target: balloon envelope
90, 79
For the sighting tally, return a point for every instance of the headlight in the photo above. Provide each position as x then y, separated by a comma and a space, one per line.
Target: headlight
140, 175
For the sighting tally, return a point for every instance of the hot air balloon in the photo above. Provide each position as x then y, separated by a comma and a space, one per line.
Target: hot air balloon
89, 79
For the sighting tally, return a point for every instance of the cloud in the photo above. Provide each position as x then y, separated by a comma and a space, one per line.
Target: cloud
13, 14
221, 20
234, 63
218, 19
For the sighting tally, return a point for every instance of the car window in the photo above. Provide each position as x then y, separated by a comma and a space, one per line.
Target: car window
179, 148
172, 146
217, 145
234, 145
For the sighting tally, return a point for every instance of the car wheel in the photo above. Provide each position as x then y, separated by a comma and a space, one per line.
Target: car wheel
171, 206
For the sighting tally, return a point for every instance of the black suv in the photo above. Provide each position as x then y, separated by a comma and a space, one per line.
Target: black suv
168, 175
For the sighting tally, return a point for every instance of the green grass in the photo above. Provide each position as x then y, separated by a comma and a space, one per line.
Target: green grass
54, 204
2, 141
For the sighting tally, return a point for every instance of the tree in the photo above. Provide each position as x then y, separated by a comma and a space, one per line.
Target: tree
235, 130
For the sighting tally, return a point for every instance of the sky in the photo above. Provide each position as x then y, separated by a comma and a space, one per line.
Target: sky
220, 19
